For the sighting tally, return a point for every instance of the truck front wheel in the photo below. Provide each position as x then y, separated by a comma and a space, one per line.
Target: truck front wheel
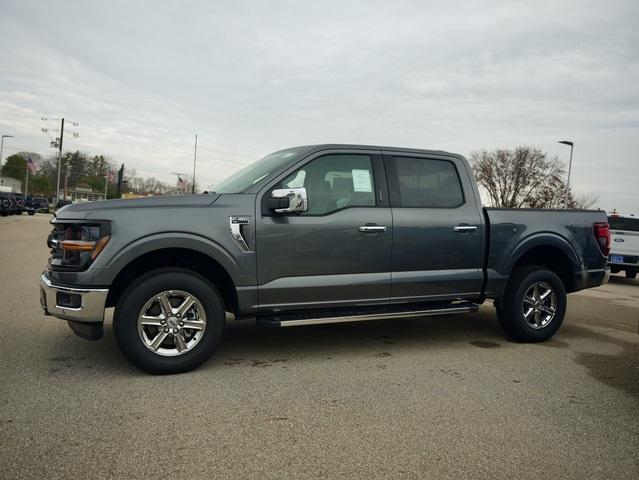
534, 304
169, 321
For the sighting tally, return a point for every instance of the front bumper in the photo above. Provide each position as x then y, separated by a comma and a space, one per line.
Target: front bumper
88, 303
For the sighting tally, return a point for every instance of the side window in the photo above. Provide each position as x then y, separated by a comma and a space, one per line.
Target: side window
428, 183
335, 181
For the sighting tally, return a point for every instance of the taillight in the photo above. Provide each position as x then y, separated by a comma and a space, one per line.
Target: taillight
602, 234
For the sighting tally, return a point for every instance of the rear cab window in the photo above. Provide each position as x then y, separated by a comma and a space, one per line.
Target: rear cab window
627, 224
426, 183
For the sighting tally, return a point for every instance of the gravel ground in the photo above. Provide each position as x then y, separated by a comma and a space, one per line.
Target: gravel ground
438, 397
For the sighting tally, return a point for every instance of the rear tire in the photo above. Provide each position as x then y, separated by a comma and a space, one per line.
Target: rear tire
141, 318
631, 274
533, 306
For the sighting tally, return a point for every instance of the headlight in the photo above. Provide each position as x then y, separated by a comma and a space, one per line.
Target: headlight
75, 246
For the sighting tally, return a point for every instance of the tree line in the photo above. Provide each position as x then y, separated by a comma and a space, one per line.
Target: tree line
77, 168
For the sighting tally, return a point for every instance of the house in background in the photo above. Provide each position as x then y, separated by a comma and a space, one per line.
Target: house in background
84, 193
8, 184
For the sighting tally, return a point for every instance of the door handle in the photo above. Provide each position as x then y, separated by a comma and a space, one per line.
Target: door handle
372, 228
465, 228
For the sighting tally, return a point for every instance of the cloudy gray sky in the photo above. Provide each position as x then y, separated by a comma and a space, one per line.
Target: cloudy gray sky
251, 77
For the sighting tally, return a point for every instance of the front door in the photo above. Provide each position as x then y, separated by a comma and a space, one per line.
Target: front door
438, 233
327, 256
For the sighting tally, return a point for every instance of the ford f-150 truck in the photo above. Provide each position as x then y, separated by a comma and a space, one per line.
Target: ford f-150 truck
309, 235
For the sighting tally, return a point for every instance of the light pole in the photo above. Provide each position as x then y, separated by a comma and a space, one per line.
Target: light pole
2, 146
567, 142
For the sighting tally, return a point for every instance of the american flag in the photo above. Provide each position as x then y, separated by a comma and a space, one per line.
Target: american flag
33, 168
180, 182
110, 175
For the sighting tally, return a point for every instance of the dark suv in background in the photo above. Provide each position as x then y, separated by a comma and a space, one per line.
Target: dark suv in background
40, 204
7, 203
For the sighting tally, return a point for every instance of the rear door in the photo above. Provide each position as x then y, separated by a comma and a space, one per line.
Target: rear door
338, 252
438, 233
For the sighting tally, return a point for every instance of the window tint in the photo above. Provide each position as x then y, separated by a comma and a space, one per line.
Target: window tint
335, 181
624, 223
428, 183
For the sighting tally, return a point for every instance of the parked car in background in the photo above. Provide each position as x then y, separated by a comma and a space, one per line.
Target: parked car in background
7, 203
20, 203
312, 235
624, 248
62, 203
40, 204
29, 207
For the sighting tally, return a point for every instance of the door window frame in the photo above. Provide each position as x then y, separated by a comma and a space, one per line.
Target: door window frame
380, 182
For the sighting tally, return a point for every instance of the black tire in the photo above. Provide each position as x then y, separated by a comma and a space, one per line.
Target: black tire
143, 289
19, 212
631, 274
510, 307
31, 213
614, 269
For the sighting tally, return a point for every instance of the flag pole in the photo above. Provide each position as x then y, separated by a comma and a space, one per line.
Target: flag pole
106, 185
26, 186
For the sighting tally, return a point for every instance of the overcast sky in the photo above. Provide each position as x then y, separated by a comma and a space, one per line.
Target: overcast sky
141, 78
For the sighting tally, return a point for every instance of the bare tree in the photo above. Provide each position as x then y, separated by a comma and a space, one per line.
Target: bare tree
515, 178
524, 177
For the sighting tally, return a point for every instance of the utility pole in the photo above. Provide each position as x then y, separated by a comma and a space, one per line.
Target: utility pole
567, 142
2, 146
194, 161
59, 145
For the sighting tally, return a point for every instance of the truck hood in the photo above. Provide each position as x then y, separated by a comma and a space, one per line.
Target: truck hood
84, 210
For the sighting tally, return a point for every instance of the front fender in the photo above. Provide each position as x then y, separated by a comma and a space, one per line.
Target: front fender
239, 273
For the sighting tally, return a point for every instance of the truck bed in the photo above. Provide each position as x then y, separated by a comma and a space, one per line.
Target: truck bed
513, 231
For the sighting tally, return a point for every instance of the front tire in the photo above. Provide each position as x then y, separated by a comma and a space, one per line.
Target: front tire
631, 274
534, 304
168, 321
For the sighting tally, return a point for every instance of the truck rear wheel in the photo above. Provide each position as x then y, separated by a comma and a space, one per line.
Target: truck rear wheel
534, 304
169, 321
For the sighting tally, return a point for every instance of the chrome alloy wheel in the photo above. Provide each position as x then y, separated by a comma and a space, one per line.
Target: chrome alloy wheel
171, 323
539, 305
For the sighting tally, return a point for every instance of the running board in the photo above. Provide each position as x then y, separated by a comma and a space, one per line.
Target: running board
386, 312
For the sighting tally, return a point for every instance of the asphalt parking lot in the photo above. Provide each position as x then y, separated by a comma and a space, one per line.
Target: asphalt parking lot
437, 397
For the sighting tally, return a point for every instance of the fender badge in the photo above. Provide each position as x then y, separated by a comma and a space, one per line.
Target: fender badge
241, 219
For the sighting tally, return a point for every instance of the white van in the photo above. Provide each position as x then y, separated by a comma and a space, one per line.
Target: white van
624, 246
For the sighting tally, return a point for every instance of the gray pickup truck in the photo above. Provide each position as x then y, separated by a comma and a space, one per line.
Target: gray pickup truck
310, 235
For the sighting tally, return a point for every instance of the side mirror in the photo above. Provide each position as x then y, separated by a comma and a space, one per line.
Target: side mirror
297, 200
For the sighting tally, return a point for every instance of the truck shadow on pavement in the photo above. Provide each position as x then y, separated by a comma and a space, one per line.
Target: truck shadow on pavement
619, 370
247, 344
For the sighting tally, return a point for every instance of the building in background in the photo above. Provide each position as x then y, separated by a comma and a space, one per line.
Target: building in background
8, 184
84, 193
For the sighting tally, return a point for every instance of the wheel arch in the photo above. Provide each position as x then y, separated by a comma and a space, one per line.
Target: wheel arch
550, 251
185, 251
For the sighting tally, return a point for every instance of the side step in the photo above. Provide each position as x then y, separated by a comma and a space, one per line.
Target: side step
380, 312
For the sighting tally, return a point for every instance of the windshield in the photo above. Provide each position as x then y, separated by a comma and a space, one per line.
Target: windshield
242, 180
